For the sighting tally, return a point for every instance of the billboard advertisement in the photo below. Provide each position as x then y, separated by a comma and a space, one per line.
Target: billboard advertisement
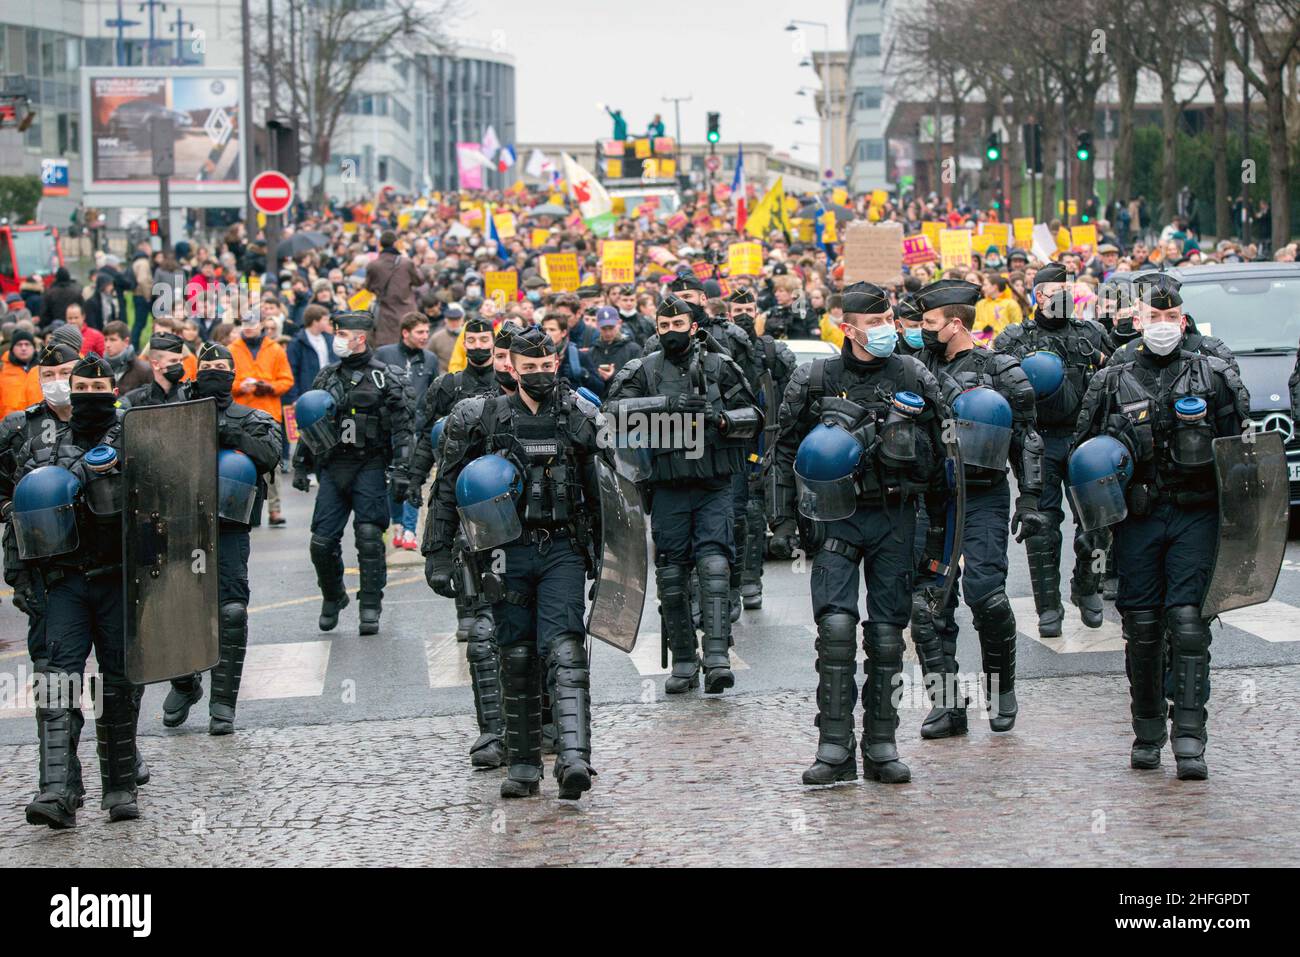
205, 108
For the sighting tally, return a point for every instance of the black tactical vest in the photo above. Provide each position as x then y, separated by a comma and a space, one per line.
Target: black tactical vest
1082, 358
542, 448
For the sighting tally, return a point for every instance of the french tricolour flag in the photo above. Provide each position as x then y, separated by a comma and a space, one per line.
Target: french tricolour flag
738, 190
505, 158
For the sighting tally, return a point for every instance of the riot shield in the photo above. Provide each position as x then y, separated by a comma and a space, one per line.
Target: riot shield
945, 569
769, 402
1254, 496
169, 526
615, 615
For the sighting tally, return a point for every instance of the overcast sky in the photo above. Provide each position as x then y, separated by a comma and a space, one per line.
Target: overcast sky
732, 57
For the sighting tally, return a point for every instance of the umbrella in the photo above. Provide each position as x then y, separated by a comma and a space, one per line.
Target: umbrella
842, 213
547, 209
300, 243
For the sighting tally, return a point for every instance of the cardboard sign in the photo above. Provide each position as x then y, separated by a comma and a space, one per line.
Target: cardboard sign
745, 259
931, 232
1085, 236
676, 221
917, 250
994, 234
617, 258
539, 238
1023, 228
659, 255
360, 300
641, 148
1043, 245
563, 271
703, 271
873, 253
501, 285
505, 224
955, 248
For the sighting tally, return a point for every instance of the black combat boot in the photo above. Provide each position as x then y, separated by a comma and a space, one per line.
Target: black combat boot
751, 576
947, 717
996, 625
1189, 636
327, 557
1044, 554
837, 695
373, 565
58, 771
675, 618
1144, 661
184, 694
883, 645
522, 704
489, 751
1085, 583
229, 670
715, 606
115, 735
572, 710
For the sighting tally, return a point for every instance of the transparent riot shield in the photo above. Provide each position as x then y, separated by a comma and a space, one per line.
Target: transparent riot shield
616, 609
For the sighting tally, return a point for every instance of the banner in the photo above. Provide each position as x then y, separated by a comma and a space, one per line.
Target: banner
955, 248
744, 259
917, 250
641, 148
676, 221
505, 223
563, 271
1023, 227
873, 253
993, 234
703, 271
468, 169
501, 285
617, 262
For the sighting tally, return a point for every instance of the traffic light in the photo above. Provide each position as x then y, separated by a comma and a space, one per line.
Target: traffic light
993, 147
1083, 146
713, 128
155, 228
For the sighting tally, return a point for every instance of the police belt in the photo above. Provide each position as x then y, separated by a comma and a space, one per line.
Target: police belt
845, 549
540, 534
1145, 496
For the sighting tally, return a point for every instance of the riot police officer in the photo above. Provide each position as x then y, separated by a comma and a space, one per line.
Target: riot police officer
67, 517
1156, 488
1164, 289
249, 440
703, 418
907, 316
166, 358
1115, 308
357, 430
1083, 346
994, 410
687, 287
859, 439
768, 364
477, 378
517, 476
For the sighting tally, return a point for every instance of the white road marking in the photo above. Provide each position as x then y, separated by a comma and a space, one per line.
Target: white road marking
1075, 636
645, 656
444, 657
293, 669
1272, 621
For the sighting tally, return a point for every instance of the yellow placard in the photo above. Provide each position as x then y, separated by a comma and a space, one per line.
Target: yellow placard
1023, 228
954, 248
1074, 207
994, 234
361, 300
349, 227
614, 168
403, 220
501, 285
539, 238
829, 234
1062, 239
562, 270
618, 205
667, 167
840, 196
879, 197
1084, 236
642, 148
505, 223
803, 230
931, 232
261, 219
617, 262
745, 259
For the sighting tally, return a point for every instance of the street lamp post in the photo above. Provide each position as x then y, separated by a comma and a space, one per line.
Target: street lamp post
828, 132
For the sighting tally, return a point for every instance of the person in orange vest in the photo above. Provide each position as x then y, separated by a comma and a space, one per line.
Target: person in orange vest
19, 386
262, 376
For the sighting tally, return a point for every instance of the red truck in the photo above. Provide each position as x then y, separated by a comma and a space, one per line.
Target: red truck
25, 251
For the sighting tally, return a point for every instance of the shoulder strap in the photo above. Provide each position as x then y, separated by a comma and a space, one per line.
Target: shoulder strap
817, 379
769, 351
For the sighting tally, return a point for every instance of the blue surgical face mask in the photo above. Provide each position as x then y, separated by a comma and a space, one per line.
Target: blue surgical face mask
913, 337
881, 340
534, 296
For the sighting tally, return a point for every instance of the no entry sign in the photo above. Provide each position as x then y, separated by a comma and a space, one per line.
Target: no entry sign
271, 192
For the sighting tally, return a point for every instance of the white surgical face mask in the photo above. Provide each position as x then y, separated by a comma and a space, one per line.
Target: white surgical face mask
342, 347
57, 391
1162, 337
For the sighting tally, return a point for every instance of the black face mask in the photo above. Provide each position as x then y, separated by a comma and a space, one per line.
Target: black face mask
174, 373
746, 322
675, 343
214, 384
507, 381
930, 340
1056, 311
697, 312
478, 357
538, 385
92, 412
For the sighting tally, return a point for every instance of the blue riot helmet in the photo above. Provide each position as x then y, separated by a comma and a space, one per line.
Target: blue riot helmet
589, 395
898, 435
825, 473
44, 513
236, 486
487, 490
983, 428
315, 412
1100, 468
1045, 371
435, 433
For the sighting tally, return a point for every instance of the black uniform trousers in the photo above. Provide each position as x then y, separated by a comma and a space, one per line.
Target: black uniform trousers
985, 534
688, 521
232, 564
365, 498
886, 539
1165, 558
84, 612
543, 587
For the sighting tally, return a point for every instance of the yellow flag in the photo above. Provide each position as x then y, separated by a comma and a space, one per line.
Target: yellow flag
770, 213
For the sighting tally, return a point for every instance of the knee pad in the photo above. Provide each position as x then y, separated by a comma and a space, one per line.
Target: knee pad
1143, 628
994, 612
921, 614
1189, 631
713, 568
836, 634
671, 579
234, 615
883, 643
370, 540
519, 667
323, 549
569, 662
482, 641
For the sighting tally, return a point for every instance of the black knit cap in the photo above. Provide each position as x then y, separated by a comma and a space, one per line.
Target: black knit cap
356, 321
686, 280
865, 297
213, 352
93, 367
57, 353
532, 343
907, 309
742, 296
673, 306
166, 342
947, 292
478, 324
1159, 290
1052, 272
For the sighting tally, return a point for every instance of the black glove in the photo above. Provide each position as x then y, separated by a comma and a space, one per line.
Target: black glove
438, 571
24, 600
689, 403
401, 483
1028, 520
785, 538
301, 481
414, 493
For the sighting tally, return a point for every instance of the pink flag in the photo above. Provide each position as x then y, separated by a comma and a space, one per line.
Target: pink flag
468, 166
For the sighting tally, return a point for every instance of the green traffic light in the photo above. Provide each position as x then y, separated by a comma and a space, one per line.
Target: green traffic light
993, 154
1082, 155
713, 137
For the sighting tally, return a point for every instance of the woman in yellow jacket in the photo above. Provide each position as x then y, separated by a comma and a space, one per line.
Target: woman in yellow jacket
997, 310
